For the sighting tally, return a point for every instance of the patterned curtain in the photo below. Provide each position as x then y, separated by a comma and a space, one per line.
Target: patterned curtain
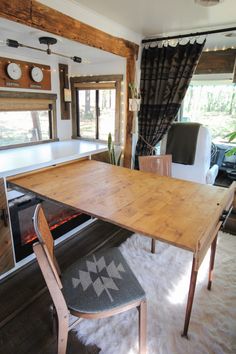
165, 76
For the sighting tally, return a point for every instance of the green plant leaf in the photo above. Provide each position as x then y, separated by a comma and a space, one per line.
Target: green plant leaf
109, 141
230, 152
231, 136
119, 158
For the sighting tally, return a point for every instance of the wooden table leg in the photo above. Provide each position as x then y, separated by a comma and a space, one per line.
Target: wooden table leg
191, 292
212, 260
153, 249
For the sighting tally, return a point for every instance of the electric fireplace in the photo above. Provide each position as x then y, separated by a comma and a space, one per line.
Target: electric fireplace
61, 219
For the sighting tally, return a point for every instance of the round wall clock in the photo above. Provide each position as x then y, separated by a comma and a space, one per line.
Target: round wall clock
37, 74
14, 71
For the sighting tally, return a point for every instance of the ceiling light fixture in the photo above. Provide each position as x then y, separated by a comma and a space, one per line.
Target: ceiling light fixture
42, 40
208, 2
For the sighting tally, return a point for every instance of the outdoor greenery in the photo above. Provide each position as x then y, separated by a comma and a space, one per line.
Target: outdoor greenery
88, 112
231, 137
214, 106
23, 127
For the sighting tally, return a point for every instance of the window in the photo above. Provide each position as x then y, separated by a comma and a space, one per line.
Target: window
213, 105
97, 107
26, 118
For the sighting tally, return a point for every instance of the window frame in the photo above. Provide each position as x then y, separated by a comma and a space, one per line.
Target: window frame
207, 80
32, 98
95, 83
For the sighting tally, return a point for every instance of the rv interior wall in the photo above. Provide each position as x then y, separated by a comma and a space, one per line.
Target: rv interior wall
96, 62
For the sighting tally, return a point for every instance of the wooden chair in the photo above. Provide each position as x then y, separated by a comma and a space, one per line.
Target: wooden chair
159, 164
96, 286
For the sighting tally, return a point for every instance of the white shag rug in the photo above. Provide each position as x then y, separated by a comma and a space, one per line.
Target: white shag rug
165, 279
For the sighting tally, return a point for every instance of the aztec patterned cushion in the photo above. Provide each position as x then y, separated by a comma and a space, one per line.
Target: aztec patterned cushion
100, 282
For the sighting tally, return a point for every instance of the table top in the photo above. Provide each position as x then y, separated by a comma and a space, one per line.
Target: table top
28, 158
175, 211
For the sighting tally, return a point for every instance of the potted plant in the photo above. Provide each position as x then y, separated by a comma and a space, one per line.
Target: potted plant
111, 152
135, 100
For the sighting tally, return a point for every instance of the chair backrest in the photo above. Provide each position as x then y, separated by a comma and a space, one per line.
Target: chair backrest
160, 164
46, 244
198, 171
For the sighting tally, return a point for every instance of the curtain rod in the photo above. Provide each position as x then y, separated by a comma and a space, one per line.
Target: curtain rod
189, 35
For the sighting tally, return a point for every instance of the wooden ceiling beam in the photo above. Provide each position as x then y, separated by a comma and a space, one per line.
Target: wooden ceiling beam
42, 17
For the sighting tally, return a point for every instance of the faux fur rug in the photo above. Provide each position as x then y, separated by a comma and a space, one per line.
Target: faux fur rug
165, 278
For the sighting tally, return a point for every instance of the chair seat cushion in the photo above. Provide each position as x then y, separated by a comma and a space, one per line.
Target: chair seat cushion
100, 282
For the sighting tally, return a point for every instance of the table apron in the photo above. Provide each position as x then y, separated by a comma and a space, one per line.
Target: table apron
200, 254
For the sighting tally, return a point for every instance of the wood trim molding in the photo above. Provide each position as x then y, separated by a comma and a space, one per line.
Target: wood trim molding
130, 74
48, 97
42, 17
96, 78
64, 84
216, 62
95, 82
21, 94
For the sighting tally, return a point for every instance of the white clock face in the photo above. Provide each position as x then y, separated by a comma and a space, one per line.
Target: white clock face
37, 74
14, 71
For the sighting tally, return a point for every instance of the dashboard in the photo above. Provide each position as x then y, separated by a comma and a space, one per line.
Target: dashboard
226, 163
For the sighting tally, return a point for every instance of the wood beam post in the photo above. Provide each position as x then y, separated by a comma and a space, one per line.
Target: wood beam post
130, 78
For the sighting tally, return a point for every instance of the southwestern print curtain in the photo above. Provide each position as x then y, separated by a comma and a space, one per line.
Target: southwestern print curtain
165, 76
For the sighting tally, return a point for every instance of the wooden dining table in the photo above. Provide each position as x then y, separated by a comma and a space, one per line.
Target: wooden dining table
184, 214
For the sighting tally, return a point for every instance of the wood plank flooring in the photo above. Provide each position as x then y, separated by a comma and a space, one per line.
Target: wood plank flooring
29, 331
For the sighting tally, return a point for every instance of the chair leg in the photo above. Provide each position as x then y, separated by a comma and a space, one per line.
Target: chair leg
63, 327
153, 249
54, 320
142, 327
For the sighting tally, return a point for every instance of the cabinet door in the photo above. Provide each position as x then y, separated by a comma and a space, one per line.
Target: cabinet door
6, 248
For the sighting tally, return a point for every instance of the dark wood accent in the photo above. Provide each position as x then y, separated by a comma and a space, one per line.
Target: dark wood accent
216, 62
130, 75
28, 95
96, 78
193, 281
47, 19
64, 84
212, 261
20, 10
25, 81
6, 247
102, 156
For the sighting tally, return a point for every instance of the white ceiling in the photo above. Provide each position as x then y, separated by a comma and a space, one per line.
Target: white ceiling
152, 17
148, 17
